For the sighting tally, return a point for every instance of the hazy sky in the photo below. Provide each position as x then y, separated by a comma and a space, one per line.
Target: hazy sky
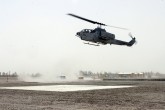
38, 36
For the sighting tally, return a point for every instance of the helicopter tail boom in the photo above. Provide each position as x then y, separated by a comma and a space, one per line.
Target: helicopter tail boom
119, 42
131, 42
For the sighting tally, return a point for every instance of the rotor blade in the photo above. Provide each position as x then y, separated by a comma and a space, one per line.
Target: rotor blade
94, 22
118, 27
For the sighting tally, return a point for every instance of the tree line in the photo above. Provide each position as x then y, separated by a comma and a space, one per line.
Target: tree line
8, 74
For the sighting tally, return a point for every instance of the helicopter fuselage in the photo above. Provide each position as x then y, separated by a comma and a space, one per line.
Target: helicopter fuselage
98, 35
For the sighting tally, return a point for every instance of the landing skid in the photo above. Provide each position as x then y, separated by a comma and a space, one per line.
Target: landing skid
91, 44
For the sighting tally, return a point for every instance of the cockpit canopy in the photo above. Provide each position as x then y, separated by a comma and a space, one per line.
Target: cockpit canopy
93, 31
87, 30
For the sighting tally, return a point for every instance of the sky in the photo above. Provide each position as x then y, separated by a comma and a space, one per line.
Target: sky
39, 36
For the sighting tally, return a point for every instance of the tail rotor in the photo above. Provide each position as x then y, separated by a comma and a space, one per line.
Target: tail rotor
133, 39
131, 35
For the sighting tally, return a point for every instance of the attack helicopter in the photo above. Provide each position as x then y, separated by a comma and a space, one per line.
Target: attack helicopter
99, 35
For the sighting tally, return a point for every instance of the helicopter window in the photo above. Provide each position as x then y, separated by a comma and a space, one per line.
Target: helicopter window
83, 30
86, 30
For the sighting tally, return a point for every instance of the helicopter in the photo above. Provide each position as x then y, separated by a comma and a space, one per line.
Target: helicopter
99, 35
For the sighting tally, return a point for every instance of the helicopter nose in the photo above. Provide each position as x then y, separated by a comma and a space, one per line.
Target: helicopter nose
78, 33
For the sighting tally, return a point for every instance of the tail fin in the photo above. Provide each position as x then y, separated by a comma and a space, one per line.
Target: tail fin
132, 41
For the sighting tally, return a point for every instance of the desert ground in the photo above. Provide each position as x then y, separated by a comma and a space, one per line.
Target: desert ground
145, 95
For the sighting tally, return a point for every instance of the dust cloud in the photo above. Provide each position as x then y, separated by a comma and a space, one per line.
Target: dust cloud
61, 71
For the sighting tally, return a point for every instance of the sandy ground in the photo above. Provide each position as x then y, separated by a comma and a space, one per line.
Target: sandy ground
147, 95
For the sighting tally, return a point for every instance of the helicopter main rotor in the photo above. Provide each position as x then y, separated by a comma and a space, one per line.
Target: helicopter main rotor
94, 22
